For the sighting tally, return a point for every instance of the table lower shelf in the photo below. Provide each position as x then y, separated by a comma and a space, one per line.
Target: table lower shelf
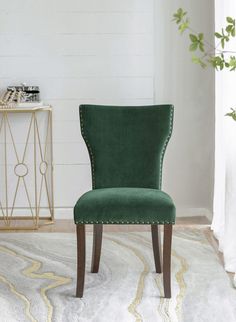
24, 223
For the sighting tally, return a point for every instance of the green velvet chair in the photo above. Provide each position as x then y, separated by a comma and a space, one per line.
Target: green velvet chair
126, 145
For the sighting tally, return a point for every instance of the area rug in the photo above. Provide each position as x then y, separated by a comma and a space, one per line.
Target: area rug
38, 278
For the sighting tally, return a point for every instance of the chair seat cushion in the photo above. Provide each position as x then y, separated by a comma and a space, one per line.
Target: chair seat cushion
124, 206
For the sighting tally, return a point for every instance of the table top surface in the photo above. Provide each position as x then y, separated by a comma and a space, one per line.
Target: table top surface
27, 109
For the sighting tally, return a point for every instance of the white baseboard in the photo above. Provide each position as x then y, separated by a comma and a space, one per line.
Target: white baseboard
64, 213
67, 213
193, 212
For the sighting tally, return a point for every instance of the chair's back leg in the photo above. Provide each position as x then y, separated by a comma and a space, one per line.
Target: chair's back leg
156, 244
97, 245
80, 230
167, 260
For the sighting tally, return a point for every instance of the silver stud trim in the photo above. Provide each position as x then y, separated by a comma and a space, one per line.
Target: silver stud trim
88, 146
165, 145
125, 222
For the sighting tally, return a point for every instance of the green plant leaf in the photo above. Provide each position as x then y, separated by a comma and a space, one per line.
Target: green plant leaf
218, 35
222, 43
193, 38
229, 28
217, 62
232, 114
199, 61
183, 26
232, 63
201, 47
200, 36
230, 20
193, 46
179, 15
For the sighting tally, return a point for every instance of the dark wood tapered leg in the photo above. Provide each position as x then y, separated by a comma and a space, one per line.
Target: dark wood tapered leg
97, 245
156, 244
167, 260
80, 229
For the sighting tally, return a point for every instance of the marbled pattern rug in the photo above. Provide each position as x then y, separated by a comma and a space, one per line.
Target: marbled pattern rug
37, 280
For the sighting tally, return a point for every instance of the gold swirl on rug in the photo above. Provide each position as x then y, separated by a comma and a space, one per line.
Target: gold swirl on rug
20, 296
182, 284
146, 242
132, 308
163, 307
31, 272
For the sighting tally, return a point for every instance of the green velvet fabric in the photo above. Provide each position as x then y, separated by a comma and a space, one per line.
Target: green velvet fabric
126, 146
125, 205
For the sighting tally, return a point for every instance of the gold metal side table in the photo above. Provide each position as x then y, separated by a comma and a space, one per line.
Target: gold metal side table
26, 168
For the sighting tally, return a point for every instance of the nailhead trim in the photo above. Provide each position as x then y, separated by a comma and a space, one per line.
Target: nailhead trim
125, 222
165, 144
88, 146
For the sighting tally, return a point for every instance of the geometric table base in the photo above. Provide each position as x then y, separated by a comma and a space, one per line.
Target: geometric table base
26, 168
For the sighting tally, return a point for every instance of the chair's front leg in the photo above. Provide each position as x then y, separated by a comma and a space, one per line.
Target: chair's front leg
156, 245
80, 230
97, 245
167, 260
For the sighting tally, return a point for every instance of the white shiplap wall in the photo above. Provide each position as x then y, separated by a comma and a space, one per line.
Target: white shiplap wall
77, 51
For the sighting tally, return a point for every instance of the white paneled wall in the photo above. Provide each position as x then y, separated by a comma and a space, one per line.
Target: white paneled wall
77, 51
189, 162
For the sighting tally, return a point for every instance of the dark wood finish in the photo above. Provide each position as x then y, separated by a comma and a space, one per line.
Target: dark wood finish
167, 260
97, 245
80, 229
156, 244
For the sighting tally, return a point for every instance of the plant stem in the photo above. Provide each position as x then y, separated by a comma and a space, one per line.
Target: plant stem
227, 52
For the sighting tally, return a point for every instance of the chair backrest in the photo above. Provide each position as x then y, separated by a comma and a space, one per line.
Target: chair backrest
126, 144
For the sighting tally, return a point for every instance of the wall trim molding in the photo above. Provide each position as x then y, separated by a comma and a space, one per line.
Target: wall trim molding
67, 213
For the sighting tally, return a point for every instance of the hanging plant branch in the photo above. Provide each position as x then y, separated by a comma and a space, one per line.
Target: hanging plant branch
232, 114
204, 53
